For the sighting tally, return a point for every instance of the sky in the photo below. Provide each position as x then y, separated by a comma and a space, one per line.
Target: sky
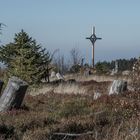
64, 24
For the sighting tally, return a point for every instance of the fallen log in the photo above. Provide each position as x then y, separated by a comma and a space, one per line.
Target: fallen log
13, 94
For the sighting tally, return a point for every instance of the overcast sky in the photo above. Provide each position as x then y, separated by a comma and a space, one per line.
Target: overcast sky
64, 24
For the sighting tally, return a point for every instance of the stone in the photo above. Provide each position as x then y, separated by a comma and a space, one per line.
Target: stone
87, 72
59, 76
97, 95
53, 74
115, 70
118, 86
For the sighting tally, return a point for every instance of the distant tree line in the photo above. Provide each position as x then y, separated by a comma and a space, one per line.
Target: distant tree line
123, 64
76, 64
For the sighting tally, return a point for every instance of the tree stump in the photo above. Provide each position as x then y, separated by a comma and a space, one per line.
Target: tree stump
118, 86
13, 94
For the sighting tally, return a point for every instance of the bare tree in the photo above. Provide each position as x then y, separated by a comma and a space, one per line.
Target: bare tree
53, 54
76, 60
60, 63
63, 65
75, 56
1, 25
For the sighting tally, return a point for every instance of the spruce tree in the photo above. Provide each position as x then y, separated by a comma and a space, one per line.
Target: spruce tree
26, 59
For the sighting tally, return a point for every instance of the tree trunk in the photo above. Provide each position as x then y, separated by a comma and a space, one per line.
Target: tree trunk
13, 94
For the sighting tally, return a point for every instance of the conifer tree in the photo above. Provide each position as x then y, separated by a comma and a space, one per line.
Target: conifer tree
26, 59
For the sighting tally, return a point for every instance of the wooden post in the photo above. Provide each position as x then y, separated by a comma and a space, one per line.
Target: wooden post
13, 94
93, 55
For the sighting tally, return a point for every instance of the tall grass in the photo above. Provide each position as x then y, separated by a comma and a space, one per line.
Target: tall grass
107, 118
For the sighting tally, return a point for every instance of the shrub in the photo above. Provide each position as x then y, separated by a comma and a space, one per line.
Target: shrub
136, 75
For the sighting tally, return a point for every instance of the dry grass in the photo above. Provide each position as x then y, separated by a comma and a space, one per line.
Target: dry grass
81, 87
108, 118
98, 78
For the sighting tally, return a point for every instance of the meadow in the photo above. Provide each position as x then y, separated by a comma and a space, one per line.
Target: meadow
71, 116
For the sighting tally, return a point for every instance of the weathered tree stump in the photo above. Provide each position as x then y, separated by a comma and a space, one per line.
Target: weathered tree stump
118, 86
1, 85
13, 94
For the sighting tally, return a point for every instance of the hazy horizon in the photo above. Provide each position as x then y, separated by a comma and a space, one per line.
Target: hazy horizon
65, 25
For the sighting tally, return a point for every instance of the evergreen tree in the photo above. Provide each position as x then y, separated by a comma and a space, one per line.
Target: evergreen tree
102, 67
26, 59
123, 64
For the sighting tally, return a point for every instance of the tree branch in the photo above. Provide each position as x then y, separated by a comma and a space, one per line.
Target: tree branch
73, 135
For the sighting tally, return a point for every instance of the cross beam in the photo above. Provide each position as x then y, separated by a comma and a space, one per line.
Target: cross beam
93, 38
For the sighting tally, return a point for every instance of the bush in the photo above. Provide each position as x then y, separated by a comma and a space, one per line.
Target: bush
136, 75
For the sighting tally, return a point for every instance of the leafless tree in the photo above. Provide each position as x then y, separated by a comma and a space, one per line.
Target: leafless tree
1, 25
53, 54
60, 63
75, 56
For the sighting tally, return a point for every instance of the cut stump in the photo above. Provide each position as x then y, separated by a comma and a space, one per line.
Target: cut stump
118, 86
13, 94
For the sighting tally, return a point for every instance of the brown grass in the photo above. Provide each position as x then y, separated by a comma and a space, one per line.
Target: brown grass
81, 87
108, 118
